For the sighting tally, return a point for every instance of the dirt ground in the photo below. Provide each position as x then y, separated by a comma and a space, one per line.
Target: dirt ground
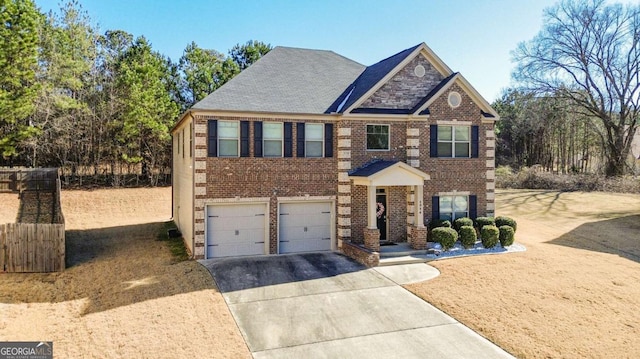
573, 293
122, 294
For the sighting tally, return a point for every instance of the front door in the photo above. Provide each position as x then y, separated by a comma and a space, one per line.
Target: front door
381, 212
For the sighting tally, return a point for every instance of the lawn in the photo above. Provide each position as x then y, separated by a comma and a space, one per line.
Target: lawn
573, 293
123, 294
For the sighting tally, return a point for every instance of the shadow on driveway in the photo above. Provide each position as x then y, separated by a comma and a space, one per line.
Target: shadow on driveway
239, 273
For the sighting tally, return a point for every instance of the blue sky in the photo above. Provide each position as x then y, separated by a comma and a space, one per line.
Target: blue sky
474, 37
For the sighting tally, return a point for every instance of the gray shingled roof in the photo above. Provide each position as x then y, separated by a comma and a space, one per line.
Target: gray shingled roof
369, 78
371, 168
286, 80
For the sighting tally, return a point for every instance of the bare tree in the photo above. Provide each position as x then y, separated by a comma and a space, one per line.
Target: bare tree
589, 52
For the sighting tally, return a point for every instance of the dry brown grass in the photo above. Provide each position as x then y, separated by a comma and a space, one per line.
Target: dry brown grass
573, 293
122, 294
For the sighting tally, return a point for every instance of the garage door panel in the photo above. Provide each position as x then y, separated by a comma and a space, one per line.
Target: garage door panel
316, 219
235, 230
305, 227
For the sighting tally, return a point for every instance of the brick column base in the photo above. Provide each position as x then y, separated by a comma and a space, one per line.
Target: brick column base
418, 238
372, 239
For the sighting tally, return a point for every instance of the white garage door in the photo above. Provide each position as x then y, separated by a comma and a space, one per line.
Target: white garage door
305, 227
236, 230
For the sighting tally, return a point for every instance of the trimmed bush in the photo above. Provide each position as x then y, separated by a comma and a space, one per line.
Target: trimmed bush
506, 221
485, 221
437, 223
506, 235
468, 236
489, 236
460, 222
446, 236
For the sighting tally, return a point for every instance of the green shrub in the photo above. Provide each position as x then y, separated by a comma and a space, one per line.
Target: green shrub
485, 221
489, 236
506, 235
468, 236
460, 222
446, 236
436, 223
506, 221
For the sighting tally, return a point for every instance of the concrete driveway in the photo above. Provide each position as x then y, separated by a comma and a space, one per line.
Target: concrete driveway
324, 305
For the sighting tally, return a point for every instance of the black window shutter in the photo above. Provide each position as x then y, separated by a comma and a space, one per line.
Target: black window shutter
244, 138
473, 207
433, 143
300, 140
328, 139
212, 143
435, 208
288, 139
474, 141
257, 139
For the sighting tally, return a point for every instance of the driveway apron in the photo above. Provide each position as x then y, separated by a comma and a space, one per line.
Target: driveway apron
324, 305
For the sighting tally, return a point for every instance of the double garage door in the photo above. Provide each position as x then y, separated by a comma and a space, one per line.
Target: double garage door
242, 229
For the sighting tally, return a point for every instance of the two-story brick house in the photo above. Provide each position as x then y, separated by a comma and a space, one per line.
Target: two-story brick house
307, 150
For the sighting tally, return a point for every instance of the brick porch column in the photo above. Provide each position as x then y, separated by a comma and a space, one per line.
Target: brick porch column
372, 239
419, 238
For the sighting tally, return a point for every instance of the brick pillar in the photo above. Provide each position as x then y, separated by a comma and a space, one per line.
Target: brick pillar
372, 239
419, 238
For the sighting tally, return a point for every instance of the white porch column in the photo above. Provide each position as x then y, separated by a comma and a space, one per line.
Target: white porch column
419, 206
371, 208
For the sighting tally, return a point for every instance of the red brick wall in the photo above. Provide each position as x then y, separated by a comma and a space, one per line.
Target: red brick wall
449, 174
397, 142
269, 177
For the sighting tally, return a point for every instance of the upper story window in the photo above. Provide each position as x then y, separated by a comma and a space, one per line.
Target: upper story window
228, 138
313, 139
272, 139
452, 141
378, 137
178, 142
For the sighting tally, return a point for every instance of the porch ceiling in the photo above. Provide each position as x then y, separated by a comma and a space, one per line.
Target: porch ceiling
388, 173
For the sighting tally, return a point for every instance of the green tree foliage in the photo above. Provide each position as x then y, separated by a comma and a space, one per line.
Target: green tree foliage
19, 23
147, 108
589, 53
66, 74
98, 105
250, 52
204, 72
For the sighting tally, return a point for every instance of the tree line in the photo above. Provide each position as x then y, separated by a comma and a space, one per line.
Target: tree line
577, 104
100, 105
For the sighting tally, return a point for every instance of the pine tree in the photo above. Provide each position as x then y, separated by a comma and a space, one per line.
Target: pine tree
19, 21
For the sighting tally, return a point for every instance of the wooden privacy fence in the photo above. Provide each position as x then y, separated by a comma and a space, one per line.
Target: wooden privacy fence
31, 247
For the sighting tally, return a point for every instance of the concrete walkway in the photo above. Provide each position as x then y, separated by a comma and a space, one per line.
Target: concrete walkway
324, 305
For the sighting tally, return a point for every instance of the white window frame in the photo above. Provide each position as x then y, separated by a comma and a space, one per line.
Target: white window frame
453, 211
388, 137
265, 139
237, 139
453, 141
307, 140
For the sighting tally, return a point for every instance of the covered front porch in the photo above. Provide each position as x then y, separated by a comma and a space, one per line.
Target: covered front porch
379, 178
